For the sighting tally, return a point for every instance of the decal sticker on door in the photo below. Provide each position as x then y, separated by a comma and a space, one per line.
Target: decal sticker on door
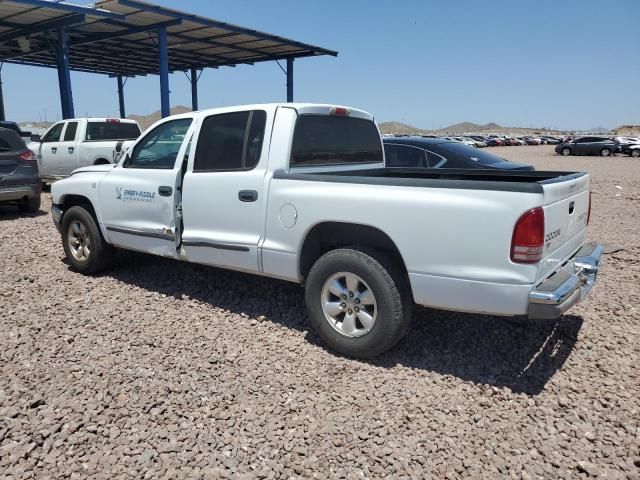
128, 195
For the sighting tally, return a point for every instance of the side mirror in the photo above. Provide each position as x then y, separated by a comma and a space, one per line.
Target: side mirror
36, 138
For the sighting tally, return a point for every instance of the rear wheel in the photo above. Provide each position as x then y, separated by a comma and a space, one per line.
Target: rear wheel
605, 152
83, 244
635, 152
30, 205
566, 151
358, 302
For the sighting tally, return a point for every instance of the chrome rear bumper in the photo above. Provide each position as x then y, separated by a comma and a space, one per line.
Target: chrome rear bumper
567, 286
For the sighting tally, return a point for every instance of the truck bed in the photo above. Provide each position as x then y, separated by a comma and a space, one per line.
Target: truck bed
509, 181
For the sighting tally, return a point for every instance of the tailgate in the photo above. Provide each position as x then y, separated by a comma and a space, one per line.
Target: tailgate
566, 211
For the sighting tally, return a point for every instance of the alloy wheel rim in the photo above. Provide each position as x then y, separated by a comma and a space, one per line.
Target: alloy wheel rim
348, 304
79, 241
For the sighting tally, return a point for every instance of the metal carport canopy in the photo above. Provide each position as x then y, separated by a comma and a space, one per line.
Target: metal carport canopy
125, 38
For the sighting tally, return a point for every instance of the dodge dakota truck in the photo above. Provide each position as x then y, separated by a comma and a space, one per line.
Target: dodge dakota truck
300, 192
80, 142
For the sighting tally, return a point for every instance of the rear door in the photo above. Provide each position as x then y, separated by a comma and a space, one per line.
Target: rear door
139, 198
224, 194
9, 160
566, 212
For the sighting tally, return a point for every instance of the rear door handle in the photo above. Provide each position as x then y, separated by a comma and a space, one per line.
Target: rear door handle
165, 191
248, 195
54, 149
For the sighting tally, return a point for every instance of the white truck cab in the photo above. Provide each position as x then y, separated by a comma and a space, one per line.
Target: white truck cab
80, 142
300, 192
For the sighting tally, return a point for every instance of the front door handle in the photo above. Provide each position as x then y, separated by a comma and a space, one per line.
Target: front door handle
248, 195
71, 149
165, 191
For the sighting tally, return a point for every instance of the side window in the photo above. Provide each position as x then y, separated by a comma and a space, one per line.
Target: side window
404, 156
230, 141
70, 132
53, 135
434, 160
160, 147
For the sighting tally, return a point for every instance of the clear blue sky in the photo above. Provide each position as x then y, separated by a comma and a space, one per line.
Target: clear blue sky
565, 63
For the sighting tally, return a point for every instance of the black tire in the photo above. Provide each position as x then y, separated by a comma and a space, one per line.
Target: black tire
101, 256
30, 205
390, 287
605, 152
566, 151
635, 153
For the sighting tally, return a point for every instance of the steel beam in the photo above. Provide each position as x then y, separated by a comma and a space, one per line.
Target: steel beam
26, 30
64, 76
121, 96
290, 79
194, 89
163, 59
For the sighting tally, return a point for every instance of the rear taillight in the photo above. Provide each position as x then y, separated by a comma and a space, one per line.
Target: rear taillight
27, 156
589, 211
527, 242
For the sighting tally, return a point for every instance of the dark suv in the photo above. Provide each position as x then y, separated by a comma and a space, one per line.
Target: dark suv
20, 181
602, 146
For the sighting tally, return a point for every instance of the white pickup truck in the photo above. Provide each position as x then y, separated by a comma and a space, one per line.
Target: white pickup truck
300, 192
81, 142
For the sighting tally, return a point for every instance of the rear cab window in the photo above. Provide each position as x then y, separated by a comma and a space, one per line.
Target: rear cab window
99, 131
335, 140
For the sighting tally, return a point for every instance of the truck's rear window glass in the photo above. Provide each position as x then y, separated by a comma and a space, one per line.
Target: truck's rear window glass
333, 140
99, 131
224, 144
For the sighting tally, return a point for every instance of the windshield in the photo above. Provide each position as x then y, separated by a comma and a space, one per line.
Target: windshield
470, 153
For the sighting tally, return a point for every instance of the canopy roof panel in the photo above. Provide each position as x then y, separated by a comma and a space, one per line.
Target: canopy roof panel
119, 37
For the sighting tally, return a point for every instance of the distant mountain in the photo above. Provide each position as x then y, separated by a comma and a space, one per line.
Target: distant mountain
400, 128
146, 121
626, 130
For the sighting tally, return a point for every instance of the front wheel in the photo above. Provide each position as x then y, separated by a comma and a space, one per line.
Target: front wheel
566, 152
86, 250
605, 152
359, 303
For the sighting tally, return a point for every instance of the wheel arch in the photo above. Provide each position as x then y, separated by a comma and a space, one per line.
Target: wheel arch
326, 236
101, 161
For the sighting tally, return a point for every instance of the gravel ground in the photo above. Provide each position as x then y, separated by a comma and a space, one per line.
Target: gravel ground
165, 370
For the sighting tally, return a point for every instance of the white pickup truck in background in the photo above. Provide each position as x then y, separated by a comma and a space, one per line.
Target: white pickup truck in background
300, 192
81, 142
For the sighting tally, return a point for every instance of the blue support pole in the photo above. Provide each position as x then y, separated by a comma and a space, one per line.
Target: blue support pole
64, 75
121, 96
164, 72
289, 80
194, 89
2, 116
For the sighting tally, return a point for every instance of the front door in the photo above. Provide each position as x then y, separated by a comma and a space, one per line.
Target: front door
224, 196
66, 157
140, 197
48, 155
